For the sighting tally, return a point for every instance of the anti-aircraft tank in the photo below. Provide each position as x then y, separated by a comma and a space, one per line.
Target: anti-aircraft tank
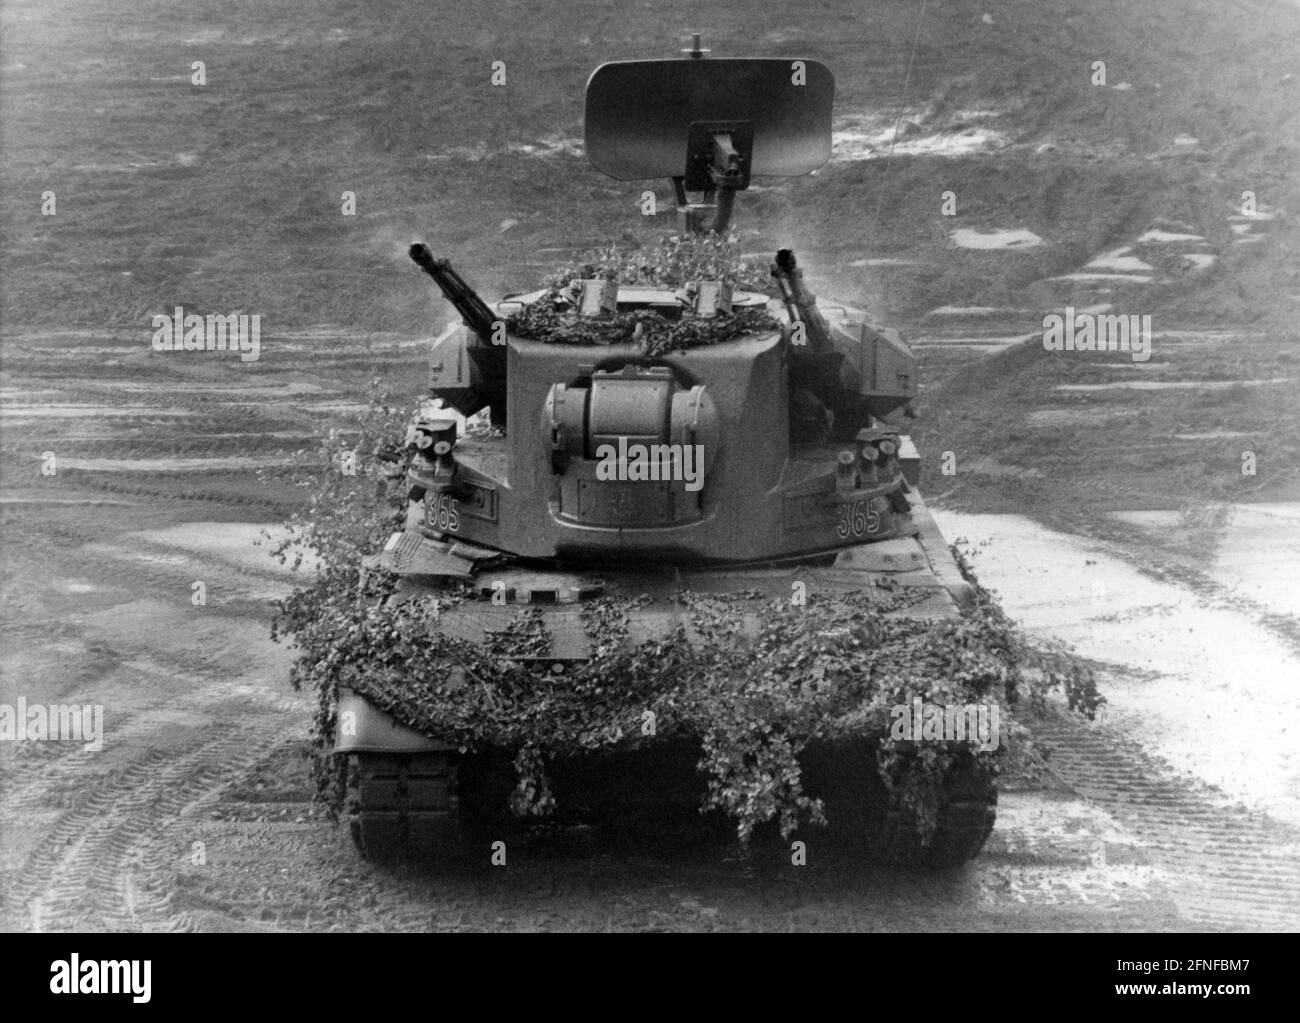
680, 458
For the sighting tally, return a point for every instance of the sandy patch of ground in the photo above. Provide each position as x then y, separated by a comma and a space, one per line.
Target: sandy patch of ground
1170, 385
1203, 687
1004, 238
1119, 259
242, 545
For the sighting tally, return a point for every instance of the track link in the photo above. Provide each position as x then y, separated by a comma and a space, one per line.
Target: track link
403, 809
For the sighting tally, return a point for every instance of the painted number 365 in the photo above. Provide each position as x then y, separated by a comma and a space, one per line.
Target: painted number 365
444, 513
857, 519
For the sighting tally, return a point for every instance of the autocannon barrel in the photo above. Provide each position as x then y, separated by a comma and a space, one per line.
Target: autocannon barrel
478, 317
799, 301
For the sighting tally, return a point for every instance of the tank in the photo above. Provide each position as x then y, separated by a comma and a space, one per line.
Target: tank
692, 468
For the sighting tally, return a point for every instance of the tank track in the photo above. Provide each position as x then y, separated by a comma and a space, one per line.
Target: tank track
407, 809
403, 808
863, 813
967, 809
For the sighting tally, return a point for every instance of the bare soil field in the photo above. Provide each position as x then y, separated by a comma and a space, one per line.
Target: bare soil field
1105, 497
197, 813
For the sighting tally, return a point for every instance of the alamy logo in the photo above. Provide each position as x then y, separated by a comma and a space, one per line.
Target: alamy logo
190, 332
950, 722
102, 977
637, 462
37, 722
1095, 332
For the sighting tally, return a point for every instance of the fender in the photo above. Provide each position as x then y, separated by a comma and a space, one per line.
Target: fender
364, 728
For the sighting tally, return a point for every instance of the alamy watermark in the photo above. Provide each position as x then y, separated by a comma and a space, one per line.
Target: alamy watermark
73, 976
1098, 332
39, 722
644, 462
190, 332
949, 722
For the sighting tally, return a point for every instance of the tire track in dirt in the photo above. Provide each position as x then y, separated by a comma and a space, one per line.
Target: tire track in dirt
24, 766
30, 879
102, 865
1229, 869
106, 861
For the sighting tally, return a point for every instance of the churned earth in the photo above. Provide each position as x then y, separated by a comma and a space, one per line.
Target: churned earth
1175, 811
1144, 511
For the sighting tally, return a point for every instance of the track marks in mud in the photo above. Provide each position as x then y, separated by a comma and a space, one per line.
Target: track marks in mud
1229, 869
90, 837
101, 866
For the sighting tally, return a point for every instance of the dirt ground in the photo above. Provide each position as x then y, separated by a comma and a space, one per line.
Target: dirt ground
1104, 498
196, 814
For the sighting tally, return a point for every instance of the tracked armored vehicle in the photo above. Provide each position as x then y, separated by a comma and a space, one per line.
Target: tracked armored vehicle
646, 440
